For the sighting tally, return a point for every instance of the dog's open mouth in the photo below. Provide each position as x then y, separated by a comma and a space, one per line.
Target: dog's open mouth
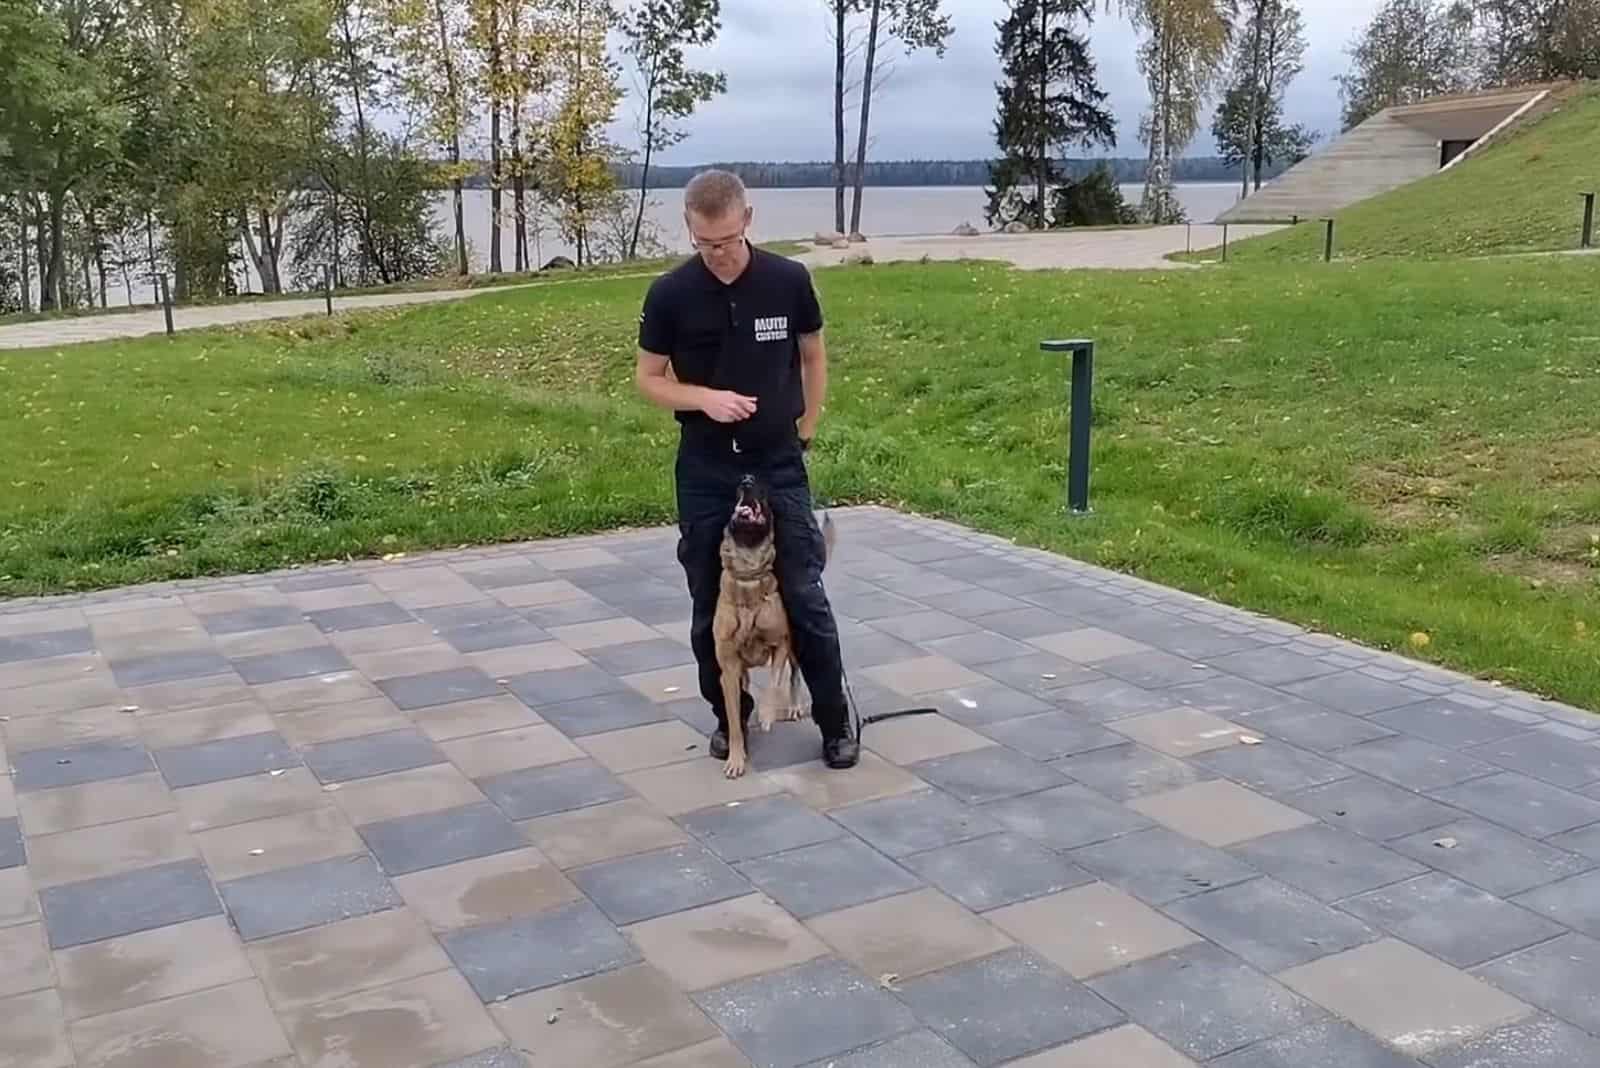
748, 512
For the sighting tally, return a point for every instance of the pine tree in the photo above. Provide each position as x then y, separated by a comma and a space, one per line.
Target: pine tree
1050, 99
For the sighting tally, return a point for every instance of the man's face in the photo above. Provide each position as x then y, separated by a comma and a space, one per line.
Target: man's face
719, 239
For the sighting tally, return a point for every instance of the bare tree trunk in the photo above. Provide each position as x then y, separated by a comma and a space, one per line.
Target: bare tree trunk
99, 255
1251, 134
866, 110
22, 249
1042, 178
455, 134
644, 172
519, 186
369, 251
53, 278
150, 245
838, 115
496, 266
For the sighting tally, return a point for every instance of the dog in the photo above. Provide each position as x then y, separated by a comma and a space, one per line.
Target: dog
751, 625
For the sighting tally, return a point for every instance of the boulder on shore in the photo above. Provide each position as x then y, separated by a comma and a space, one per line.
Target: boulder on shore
1018, 227
559, 263
859, 259
966, 229
857, 237
839, 242
827, 239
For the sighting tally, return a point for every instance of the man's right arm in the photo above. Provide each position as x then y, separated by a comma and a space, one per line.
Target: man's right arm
653, 375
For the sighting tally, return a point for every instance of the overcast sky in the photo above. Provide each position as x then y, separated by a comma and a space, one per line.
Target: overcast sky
779, 62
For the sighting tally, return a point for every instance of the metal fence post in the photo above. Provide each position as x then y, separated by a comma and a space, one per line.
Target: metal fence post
166, 302
1080, 416
1588, 221
1188, 237
1327, 247
1224, 242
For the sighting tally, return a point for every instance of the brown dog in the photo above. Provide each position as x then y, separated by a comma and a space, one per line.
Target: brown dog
751, 627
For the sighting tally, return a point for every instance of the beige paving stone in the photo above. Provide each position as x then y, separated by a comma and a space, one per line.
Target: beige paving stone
24, 960
226, 1027
667, 685
108, 849
34, 1034
1219, 813
1415, 1003
417, 1023
8, 792
463, 719
17, 901
602, 832
286, 841
101, 723
377, 639
1091, 929
317, 691
486, 889
406, 793
678, 631
1130, 1046
336, 597
245, 800
718, 1053
825, 789
1088, 645
908, 934
915, 738
927, 674
1180, 732
345, 957
210, 723
534, 594
330, 723
122, 973
55, 671
484, 755
606, 1021
650, 746
271, 640
420, 577
69, 808
41, 621
603, 632
89, 690
185, 639
415, 660
716, 944
131, 607
573, 559
679, 788
212, 691
236, 600
448, 590
143, 619
521, 659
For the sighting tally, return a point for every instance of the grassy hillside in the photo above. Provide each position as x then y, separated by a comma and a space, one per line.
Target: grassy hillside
1518, 195
1375, 450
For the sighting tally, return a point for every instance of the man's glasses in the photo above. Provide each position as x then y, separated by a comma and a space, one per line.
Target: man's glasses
719, 245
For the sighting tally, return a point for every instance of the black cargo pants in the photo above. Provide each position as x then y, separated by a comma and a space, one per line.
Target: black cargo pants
707, 484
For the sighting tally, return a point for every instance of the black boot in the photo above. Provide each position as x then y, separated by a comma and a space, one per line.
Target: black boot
719, 737
841, 752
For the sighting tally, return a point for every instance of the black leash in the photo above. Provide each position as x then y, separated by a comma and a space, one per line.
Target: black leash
855, 710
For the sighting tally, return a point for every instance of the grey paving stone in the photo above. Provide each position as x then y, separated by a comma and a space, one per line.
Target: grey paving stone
1125, 772
1052, 735
1574, 901
470, 614
501, 1057
292, 664
259, 617
1523, 804
229, 758
1330, 1044
311, 895
1585, 842
811, 1012
1159, 866
1066, 817
434, 839
648, 885
169, 667
978, 648
1308, 727
12, 852
759, 827
498, 578
604, 712
1493, 858
998, 869
1205, 1002
1353, 692
987, 774
1274, 768
1371, 808
359, 617
1155, 670
875, 650
1448, 723
325, 578
1327, 863
915, 822
924, 1049
827, 877
74, 765
568, 613
500, 634
372, 754
45, 644
989, 702
544, 791
411, 692
115, 905
1547, 756
1271, 666
1557, 976
866, 607
1414, 763
1453, 921
1007, 1005
532, 952
538, 689
1026, 622
632, 658
1270, 925
658, 612
1541, 1042
1040, 674
1228, 697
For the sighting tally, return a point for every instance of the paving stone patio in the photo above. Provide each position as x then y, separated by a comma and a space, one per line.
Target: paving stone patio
456, 810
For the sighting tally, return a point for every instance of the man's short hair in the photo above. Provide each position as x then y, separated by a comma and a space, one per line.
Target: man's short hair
713, 194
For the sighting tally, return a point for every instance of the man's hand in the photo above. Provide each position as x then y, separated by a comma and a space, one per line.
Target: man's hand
725, 406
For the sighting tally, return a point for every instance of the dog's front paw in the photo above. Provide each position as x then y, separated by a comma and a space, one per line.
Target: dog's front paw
795, 713
735, 766
766, 715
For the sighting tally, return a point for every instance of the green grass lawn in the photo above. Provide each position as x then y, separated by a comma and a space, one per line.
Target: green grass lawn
1375, 450
1519, 195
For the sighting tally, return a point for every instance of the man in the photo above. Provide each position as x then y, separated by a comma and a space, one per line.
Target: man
731, 341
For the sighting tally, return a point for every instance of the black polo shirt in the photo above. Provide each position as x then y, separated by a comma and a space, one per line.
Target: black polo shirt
741, 336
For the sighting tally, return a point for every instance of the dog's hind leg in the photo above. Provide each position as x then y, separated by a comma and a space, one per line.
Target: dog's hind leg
733, 674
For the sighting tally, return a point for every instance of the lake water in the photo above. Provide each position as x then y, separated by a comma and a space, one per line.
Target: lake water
779, 214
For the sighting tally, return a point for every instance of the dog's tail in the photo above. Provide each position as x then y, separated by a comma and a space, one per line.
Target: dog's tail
829, 536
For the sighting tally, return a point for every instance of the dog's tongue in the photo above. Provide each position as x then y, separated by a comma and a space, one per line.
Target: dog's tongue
747, 512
